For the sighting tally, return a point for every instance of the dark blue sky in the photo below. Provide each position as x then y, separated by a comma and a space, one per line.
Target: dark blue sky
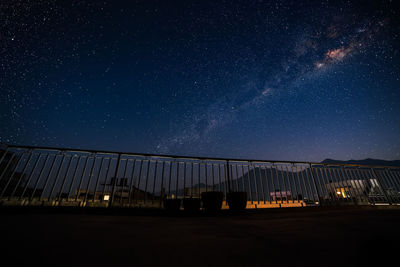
288, 80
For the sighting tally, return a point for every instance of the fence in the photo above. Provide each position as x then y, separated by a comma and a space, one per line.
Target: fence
36, 176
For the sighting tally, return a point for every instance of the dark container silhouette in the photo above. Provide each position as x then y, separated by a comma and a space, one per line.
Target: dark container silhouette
237, 201
172, 205
212, 201
191, 205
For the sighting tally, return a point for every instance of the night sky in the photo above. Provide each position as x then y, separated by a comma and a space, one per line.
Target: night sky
278, 80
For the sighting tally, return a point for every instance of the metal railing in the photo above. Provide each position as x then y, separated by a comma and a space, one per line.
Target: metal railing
36, 176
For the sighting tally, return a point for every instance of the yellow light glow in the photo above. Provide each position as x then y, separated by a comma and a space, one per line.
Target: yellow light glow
106, 197
342, 192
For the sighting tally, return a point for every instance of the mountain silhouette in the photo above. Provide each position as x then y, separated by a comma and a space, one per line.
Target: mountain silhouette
368, 161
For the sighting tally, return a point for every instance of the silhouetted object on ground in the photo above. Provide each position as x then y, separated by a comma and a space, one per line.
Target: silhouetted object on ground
172, 205
191, 205
212, 201
237, 201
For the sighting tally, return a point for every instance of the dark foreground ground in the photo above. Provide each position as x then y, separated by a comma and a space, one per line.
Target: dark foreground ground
286, 237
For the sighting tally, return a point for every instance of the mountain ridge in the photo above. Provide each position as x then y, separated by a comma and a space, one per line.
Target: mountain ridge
367, 161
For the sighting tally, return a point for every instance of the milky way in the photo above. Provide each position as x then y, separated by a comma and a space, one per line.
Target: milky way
245, 79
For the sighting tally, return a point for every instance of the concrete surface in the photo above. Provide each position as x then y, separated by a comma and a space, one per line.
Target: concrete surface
274, 237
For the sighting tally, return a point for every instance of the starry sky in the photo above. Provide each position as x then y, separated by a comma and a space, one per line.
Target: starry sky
277, 80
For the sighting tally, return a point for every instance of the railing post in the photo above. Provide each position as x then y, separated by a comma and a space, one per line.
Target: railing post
115, 182
367, 187
380, 185
228, 176
315, 184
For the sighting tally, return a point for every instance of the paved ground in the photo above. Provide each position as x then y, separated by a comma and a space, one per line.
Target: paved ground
285, 237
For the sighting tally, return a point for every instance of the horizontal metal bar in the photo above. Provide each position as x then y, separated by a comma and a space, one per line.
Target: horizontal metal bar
196, 157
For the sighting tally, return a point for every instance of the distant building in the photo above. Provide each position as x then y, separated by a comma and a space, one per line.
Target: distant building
348, 188
368, 190
196, 191
122, 192
280, 195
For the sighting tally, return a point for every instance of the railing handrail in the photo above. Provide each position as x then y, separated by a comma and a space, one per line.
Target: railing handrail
195, 157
